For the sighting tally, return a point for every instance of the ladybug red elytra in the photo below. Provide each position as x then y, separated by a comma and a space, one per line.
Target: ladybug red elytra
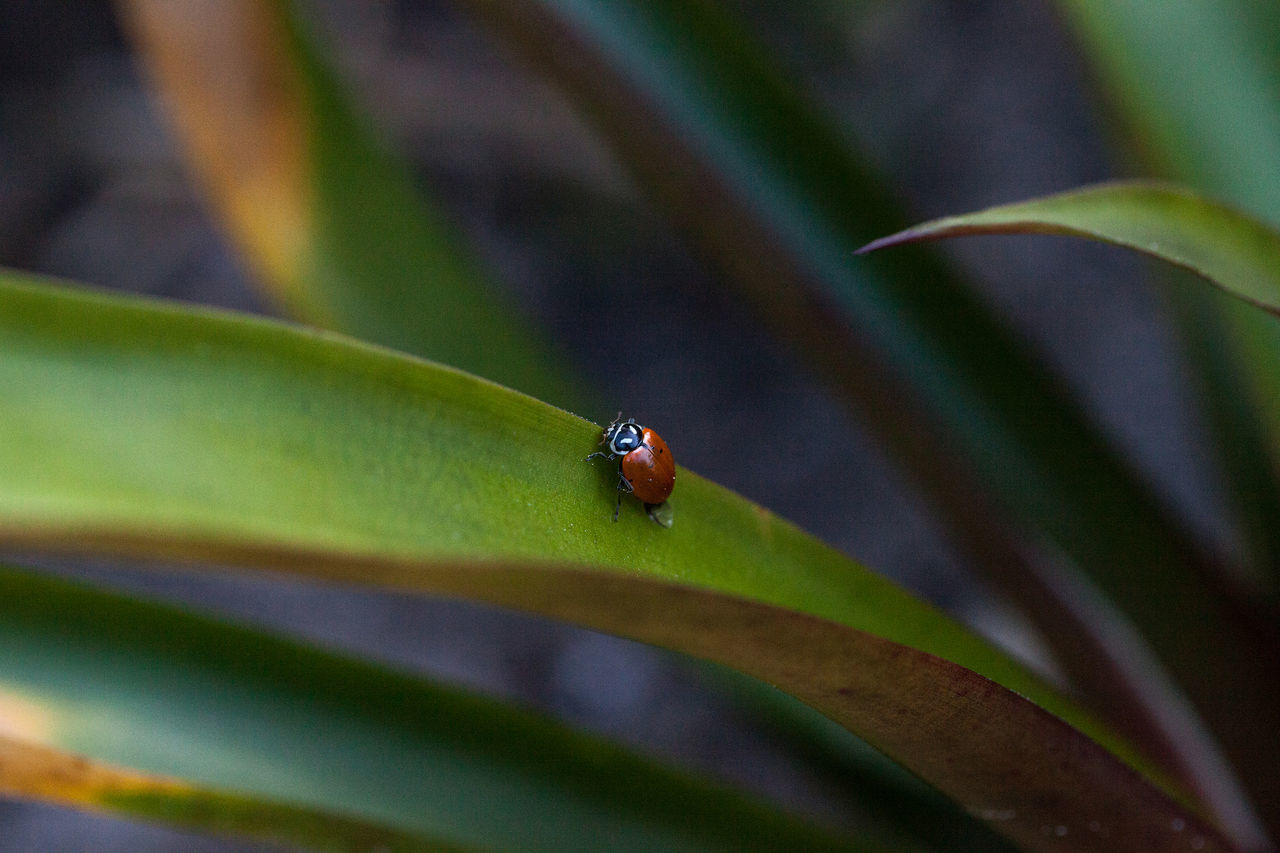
646, 468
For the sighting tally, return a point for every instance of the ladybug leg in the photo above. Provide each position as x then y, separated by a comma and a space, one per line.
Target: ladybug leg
599, 453
624, 488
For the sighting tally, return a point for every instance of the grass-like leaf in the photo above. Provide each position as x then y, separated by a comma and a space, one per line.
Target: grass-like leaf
1231, 249
289, 743
1214, 126
31, 771
767, 183
158, 431
331, 219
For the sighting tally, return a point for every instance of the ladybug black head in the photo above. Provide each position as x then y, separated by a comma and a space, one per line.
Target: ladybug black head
623, 438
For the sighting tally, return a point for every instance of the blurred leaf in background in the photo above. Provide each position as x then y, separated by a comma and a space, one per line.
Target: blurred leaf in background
756, 172
329, 218
1213, 122
740, 156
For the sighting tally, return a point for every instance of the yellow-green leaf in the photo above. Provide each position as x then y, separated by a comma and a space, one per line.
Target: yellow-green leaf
1233, 250
139, 427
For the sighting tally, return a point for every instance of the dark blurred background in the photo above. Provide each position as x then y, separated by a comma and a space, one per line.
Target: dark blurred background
962, 104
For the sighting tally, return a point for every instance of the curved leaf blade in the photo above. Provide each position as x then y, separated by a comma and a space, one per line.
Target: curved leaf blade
1215, 126
1007, 761
312, 746
1229, 248
30, 771
330, 219
131, 425
123, 413
765, 181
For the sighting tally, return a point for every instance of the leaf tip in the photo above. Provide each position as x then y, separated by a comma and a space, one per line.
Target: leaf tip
884, 242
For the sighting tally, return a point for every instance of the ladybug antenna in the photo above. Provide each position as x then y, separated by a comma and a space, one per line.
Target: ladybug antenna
609, 428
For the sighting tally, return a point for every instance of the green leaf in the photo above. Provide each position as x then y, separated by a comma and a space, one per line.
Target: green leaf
767, 183
30, 771
330, 218
1216, 126
1234, 251
1196, 85
150, 686
142, 428
1230, 249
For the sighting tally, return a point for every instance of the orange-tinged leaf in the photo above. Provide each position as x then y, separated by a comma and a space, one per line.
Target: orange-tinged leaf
331, 221
33, 771
239, 100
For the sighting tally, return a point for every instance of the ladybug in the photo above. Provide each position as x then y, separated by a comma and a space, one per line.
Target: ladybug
646, 469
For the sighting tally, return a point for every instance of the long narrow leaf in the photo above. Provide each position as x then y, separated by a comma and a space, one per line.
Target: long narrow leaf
1226, 247
285, 730
30, 771
1231, 250
1196, 84
1234, 251
764, 181
138, 427
257, 155
331, 220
